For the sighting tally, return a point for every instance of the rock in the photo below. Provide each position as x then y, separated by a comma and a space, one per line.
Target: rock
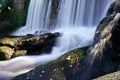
101, 56
111, 76
10, 41
6, 52
29, 45
114, 8
104, 48
64, 68
19, 53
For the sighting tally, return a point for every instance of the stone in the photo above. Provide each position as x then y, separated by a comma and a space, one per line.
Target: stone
19, 53
114, 8
6, 52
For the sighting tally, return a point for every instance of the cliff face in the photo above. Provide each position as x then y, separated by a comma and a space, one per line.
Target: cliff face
102, 57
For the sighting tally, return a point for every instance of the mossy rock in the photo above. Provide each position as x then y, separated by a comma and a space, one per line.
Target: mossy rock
19, 53
6, 52
63, 68
10, 41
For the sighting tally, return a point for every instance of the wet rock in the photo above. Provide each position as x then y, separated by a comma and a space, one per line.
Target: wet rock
28, 45
64, 68
103, 56
6, 52
111, 76
114, 8
19, 53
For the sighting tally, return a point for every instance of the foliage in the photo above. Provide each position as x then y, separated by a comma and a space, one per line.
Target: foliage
5, 11
9, 17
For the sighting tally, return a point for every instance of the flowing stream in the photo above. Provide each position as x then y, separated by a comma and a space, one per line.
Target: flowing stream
76, 20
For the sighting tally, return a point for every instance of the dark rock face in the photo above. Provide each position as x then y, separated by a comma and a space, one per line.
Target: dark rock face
114, 8
103, 56
115, 41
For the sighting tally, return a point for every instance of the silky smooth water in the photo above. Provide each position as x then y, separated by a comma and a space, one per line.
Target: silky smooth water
81, 12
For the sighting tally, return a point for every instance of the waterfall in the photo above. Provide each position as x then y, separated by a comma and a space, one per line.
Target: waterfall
71, 13
38, 17
81, 12
73, 18
39, 14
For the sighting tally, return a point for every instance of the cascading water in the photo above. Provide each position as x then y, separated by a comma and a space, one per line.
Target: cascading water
38, 17
81, 12
73, 16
